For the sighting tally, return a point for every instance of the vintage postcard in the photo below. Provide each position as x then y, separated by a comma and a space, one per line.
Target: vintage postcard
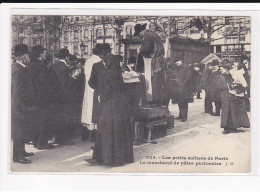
127, 92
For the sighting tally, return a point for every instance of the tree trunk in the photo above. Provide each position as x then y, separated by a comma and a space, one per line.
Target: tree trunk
53, 42
104, 30
209, 29
167, 38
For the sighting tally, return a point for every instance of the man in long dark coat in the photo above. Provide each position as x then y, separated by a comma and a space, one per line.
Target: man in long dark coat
70, 96
213, 90
205, 85
37, 68
198, 68
113, 144
182, 89
23, 104
152, 51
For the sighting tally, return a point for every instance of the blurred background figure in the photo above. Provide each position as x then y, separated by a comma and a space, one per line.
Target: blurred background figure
246, 66
214, 92
68, 82
198, 68
182, 88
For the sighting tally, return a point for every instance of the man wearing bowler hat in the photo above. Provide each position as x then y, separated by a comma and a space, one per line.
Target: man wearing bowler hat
67, 83
23, 106
152, 51
37, 68
182, 88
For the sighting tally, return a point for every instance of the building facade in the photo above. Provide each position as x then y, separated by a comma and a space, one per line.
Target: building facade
236, 39
80, 33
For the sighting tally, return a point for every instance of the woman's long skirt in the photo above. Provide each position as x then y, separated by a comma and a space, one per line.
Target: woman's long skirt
113, 144
234, 113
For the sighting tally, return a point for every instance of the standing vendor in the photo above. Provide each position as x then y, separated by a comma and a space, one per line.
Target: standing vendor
152, 51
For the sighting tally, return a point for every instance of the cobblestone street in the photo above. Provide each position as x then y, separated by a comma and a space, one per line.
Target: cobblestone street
192, 144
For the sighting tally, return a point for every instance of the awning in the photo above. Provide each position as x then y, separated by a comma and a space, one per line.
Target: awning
210, 58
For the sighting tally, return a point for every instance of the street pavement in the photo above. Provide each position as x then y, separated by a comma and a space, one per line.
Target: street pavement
195, 146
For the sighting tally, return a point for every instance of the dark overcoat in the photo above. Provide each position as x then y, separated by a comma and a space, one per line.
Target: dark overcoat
36, 69
205, 79
152, 47
70, 92
23, 102
197, 74
214, 91
233, 113
113, 144
182, 86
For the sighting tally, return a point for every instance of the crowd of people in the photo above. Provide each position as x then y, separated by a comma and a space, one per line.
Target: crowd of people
94, 98
227, 85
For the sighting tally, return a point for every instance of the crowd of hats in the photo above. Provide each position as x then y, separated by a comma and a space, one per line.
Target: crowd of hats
21, 49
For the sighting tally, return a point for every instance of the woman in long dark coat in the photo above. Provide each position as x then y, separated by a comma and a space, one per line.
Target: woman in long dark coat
113, 144
233, 113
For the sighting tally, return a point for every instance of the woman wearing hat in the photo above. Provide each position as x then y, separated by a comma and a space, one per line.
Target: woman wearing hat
113, 145
232, 85
23, 105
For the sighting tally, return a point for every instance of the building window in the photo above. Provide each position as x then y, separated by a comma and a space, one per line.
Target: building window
76, 34
218, 49
237, 48
235, 40
235, 29
129, 31
21, 30
194, 31
99, 33
242, 38
77, 18
109, 32
227, 40
86, 33
34, 19
21, 40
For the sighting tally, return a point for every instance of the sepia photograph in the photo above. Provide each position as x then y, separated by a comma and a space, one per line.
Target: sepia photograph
130, 93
